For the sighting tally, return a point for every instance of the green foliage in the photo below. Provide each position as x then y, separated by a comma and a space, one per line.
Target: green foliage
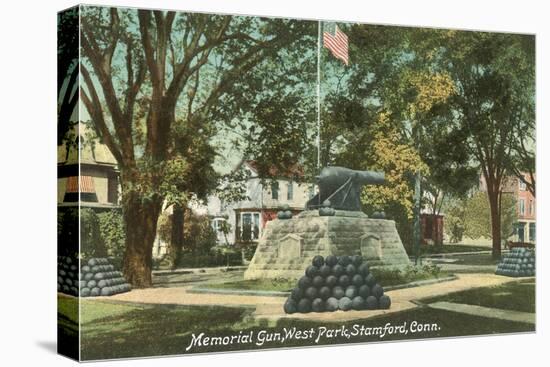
67, 232
111, 228
477, 216
455, 217
219, 256
101, 233
390, 277
91, 243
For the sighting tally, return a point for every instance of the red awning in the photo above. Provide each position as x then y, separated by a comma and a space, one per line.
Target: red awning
86, 184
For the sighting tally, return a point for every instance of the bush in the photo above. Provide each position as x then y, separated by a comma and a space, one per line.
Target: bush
111, 230
218, 256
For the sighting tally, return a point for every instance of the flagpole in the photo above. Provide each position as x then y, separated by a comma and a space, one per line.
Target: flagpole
319, 97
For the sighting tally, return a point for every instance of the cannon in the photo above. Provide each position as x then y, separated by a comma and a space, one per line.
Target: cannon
341, 187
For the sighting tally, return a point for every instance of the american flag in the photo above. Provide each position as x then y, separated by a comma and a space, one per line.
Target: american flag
337, 44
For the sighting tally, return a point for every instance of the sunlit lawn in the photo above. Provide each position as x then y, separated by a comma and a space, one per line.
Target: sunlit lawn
112, 330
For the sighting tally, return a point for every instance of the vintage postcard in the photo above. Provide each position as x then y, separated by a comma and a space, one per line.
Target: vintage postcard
234, 183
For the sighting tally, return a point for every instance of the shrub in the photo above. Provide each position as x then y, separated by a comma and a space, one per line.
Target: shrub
111, 228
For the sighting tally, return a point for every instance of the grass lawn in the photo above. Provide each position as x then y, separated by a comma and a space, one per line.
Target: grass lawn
450, 248
392, 277
386, 277
281, 285
516, 296
477, 259
133, 331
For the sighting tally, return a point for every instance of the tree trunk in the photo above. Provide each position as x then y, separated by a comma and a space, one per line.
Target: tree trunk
495, 222
141, 227
176, 238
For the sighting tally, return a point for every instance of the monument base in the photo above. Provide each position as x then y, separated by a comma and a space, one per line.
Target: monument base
288, 246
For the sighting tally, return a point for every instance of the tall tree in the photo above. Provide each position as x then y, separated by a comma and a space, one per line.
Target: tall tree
494, 76
143, 70
67, 71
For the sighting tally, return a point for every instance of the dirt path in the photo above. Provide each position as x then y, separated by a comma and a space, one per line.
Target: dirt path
270, 308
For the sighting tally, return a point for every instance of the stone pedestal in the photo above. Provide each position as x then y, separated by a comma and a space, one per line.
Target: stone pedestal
288, 246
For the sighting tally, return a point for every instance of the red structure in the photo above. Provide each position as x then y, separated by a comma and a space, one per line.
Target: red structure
432, 228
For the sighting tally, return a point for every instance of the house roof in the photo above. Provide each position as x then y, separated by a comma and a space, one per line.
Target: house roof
92, 151
291, 171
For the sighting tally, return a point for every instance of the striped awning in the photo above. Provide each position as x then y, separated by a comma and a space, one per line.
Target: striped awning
86, 184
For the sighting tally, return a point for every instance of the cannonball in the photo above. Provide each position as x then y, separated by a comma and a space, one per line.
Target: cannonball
65, 288
311, 292
71, 275
318, 281
318, 305
102, 283
88, 276
356, 260
325, 292
68, 260
63, 273
73, 268
363, 269
344, 260
290, 306
338, 292
351, 270
92, 262
325, 270
371, 303
351, 292
331, 281
85, 292
304, 282
358, 303
344, 304
68, 281
85, 269
312, 271
343, 280
337, 270
377, 290
331, 260
384, 302
357, 280
60, 279
332, 304
318, 261
92, 284
364, 291
370, 280
107, 291
296, 294
94, 292
304, 305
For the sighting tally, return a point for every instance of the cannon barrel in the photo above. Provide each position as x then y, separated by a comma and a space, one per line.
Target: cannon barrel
342, 187
331, 178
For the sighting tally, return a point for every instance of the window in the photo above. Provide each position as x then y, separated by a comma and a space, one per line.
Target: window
522, 185
531, 207
217, 224
290, 191
250, 226
275, 190
521, 206
521, 231
532, 232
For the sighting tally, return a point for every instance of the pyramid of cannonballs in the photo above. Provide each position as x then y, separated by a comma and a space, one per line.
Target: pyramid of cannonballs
67, 275
337, 283
100, 278
519, 262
